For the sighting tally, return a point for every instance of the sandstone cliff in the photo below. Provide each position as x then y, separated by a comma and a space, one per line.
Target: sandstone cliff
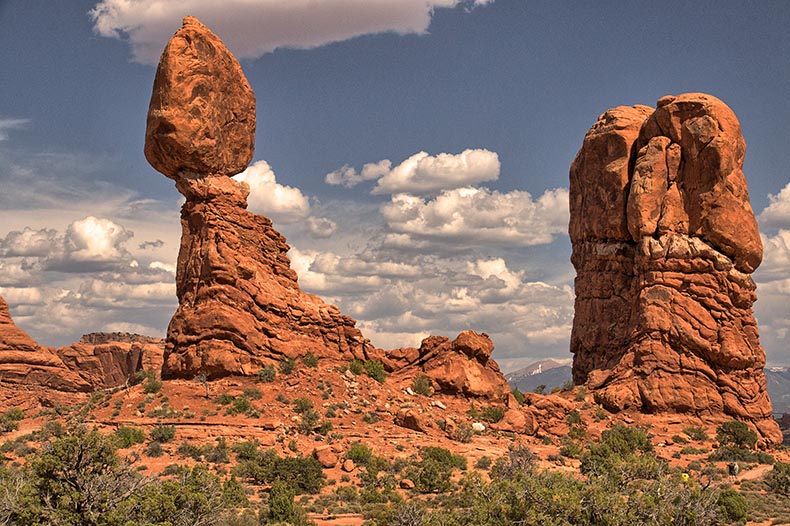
664, 244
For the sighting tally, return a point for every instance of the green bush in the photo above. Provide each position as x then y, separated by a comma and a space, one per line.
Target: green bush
287, 365
302, 474
736, 433
126, 436
778, 479
422, 385
359, 453
9, 421
267, 374
518, 395
310, 360
483, 463
253, 393
154, 449
356, 367
695, 433
732, 453
163, 433
518, 463
375, 369
302, 405
151, 384
732, 505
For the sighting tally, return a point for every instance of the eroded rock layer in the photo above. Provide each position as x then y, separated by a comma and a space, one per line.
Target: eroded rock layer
107, 360
240, 305
24, 362
664, 244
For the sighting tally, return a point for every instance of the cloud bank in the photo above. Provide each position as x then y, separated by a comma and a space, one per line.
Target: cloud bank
252, 28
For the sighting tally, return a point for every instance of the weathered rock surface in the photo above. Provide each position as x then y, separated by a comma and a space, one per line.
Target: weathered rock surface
664, 242
111, 359
240, 306
25, 362
202, 114
462, 366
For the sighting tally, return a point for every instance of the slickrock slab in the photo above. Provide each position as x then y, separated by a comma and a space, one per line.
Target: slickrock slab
664, 244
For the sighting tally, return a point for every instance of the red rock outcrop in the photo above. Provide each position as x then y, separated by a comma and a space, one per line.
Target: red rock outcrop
26, 363
664, 242
462, 366
107, 360
240, 305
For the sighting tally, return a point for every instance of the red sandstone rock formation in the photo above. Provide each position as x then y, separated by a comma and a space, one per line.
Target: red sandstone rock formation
107, 360
24, 362
664, 242
462, 366
240, 305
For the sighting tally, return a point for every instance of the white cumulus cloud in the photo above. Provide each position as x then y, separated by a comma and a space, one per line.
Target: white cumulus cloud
282, 203
423, 173
252, 28
777, 214
480, 216
11, 124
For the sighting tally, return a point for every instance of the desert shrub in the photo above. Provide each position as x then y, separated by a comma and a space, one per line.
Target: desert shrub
568, 385
9, 420
219, 453
287, 365
483, 463
623, 454
444, 457
732, 505
267, 374
679, 439
253, 393
154, 449
282, 399
462, 432
487, 414
540, 389
371, 417
187, 449
163, 433
302, 405
356, 367
518, 462
581, 394
737, 434
732, 453
422, 385
695, 433
573, 418
518, 395
778, 479
302, 474
310, 360
225, 399
151, 384
359, 453
126, 436
308, 421
375, 369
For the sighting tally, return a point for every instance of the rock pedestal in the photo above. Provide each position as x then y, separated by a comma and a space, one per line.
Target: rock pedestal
240, 305
664, 244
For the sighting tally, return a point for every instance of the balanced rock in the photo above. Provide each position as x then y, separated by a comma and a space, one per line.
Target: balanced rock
240, 305
664, 244
202, 114
24, 362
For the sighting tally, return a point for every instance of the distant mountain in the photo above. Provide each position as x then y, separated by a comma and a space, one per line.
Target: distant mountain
552, 373
778, 379
549, 373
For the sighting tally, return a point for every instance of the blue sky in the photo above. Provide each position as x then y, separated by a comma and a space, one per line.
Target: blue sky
89, 232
